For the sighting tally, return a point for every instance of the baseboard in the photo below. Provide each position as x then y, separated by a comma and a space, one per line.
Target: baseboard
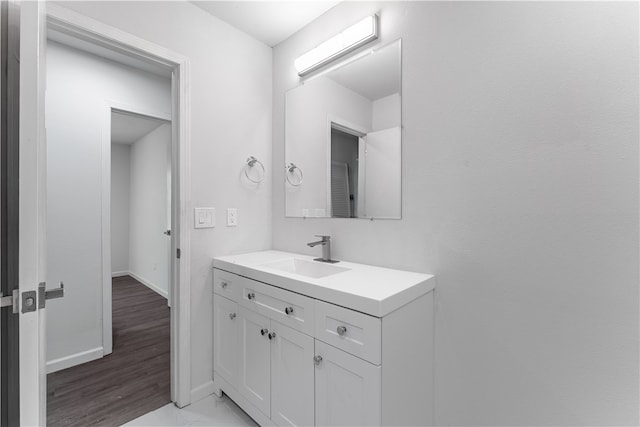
202, 391
150, 285
74, 359
119, 273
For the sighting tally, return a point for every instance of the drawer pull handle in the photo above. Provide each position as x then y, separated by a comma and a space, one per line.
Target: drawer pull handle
317, 360
224, 284
251, 295
264, 331
232, 316
272, 335
288, 310
341, 330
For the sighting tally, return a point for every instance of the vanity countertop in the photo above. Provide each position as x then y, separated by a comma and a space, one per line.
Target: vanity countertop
376, 291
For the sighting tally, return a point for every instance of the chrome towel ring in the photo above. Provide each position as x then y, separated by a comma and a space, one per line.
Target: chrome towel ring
251, 162
291, 174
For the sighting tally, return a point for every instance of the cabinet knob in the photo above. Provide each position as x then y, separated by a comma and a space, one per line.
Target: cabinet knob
224, 284
232, 316
272, 335
264, 331
341, 330
251, 295
317, 360
288, 310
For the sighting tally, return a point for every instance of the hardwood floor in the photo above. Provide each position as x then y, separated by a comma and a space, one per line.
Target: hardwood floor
128, 383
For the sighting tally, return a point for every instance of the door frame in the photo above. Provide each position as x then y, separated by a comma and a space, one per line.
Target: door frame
96, 32
105, 237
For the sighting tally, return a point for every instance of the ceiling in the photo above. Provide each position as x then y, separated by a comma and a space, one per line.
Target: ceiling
271, 22
127, 128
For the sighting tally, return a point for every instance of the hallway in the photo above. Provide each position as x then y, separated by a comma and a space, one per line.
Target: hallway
128, 383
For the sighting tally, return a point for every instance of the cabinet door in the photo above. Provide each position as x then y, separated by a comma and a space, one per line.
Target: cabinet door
291, 377
347, 389
225, 338
254, 374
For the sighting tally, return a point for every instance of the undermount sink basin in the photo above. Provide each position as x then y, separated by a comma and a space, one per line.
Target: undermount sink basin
313, 269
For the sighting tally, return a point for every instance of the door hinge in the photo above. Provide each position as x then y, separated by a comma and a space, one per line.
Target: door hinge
10, 301
178, 253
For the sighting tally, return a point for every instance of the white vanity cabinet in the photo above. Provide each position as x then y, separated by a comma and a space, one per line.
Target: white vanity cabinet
298, 352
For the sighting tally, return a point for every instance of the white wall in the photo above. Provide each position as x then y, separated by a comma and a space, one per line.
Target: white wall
120, 181
79, 88
387, 112
520, 192
231, 120
308, 139
149, 247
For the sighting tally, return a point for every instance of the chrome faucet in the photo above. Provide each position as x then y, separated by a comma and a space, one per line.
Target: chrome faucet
326, 249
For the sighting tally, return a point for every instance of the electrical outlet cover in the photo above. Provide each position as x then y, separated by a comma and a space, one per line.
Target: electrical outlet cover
232, 217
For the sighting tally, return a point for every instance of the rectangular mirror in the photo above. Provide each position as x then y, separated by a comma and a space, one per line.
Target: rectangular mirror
343, 140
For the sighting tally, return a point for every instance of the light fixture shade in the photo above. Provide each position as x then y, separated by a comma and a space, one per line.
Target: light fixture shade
338, 45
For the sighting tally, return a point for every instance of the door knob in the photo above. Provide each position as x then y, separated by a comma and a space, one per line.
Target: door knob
288, 310
341, 330
232, 316
264, 331
168, 232
317, 360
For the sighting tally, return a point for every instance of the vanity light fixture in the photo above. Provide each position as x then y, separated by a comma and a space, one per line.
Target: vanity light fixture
339, 45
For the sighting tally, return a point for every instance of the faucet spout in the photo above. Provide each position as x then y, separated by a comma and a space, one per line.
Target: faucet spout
326, 249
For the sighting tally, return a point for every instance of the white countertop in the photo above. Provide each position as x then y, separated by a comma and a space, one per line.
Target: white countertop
372, 290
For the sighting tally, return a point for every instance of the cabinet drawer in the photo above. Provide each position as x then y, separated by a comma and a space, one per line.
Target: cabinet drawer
352, 331
288, 308
227, 284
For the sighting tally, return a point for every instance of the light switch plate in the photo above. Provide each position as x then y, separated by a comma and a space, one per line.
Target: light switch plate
204, 217
232, 217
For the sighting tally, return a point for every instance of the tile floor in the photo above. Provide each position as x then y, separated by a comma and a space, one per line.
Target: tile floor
210, 411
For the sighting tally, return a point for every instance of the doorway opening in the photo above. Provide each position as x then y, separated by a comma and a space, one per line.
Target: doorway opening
105, 42
140, 203
108, 209
347, 152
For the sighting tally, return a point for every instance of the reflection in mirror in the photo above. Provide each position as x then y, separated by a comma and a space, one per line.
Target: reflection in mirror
343, 129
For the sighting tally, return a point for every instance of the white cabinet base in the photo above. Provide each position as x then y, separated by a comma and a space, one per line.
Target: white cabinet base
222, 386
368, 371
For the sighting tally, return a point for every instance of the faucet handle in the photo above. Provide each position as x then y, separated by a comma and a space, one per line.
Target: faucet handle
323, 237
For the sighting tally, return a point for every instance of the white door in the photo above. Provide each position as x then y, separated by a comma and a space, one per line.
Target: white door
225, 338
291, 377
383, 174
254, 375
32, 189
347, 389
